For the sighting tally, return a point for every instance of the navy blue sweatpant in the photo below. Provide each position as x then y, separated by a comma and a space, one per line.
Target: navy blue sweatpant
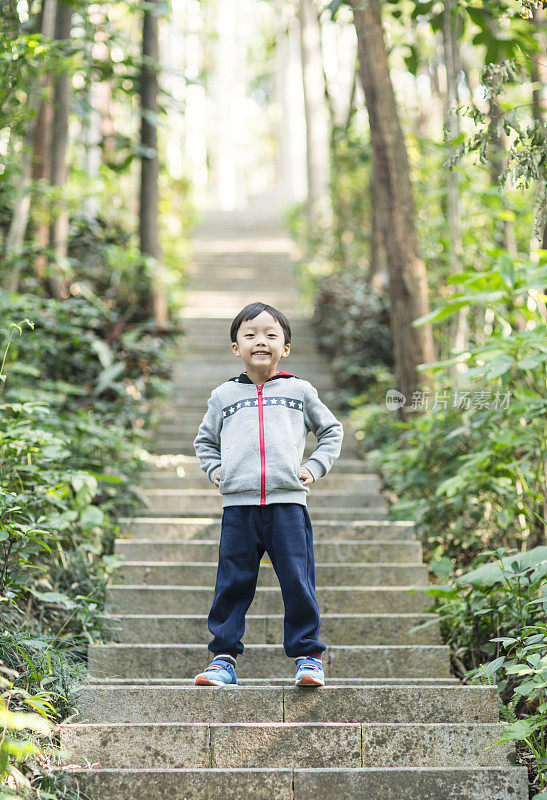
284, 531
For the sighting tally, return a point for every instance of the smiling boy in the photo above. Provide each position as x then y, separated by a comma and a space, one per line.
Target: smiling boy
250, 444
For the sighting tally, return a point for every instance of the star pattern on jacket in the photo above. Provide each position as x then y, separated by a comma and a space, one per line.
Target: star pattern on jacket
288, 402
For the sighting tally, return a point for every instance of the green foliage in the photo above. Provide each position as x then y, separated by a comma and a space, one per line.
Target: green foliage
497, 605
77, 394
352, 319
469, 464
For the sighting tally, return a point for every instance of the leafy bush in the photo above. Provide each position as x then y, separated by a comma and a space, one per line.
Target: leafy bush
75, 403
497, 605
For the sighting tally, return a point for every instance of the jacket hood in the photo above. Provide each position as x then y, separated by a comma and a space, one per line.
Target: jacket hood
244, 378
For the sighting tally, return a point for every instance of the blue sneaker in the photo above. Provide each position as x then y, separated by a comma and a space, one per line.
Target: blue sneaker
218, 673
309, 672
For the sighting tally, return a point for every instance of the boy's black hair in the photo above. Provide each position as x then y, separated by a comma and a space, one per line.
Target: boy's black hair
251, 311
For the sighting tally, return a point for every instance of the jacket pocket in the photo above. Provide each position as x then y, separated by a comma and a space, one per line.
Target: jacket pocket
237, 474
283, 468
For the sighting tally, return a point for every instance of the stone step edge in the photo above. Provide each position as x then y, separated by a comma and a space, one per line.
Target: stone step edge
163, 683
205, 492
471, 783
416, 726
203, 647
279, 682
177, 518
371, 615
153, 471
303, 770
374, 542
128, 563
192, 587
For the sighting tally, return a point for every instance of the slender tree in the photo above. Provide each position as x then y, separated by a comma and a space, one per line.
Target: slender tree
318, 209
407, 274
451, 25
58, 232
149, 233
21, 207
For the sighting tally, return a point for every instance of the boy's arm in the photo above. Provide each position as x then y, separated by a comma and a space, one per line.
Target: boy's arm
328, 430
207, 441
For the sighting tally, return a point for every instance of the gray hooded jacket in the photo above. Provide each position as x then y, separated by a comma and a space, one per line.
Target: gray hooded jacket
257, 435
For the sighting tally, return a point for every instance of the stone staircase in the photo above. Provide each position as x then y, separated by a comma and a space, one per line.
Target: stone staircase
391, 721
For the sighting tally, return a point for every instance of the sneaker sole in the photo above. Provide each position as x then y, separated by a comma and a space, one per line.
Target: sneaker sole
203, 681
309, 680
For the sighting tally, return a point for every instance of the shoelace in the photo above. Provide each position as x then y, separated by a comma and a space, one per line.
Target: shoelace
308, 665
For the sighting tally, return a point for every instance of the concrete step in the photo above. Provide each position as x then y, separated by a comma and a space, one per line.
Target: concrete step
214, 508
387, 704
342, 552
286, 681
287, 744
267, 600
392, 720
177, 501
181, 573
151, 660
374, 783
337, 629
189, 529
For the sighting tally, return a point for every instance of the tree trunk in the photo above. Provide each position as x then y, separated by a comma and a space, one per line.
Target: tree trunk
378, 273
291, 123
407, 275
149, 234
41, 156
339, 93
21, 205
539, 77
91, 129
458, 327
58, 232
318, 210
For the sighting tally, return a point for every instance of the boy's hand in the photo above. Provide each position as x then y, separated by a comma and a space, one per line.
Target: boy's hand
217, 478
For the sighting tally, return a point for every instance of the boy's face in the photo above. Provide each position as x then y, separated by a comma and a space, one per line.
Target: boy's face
263, 334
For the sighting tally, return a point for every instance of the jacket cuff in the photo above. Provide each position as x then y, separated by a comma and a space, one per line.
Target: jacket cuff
315, 468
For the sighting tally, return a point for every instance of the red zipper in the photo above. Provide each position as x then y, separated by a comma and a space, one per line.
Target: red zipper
262, 453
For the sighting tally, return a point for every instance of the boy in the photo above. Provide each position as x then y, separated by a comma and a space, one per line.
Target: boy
250, 444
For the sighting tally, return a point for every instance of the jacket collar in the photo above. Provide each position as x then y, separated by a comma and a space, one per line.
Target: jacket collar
244, 378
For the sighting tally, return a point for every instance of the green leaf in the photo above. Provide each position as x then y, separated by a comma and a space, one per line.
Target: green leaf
107, 376
53, 597
499, 366
438, 314
491, 573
